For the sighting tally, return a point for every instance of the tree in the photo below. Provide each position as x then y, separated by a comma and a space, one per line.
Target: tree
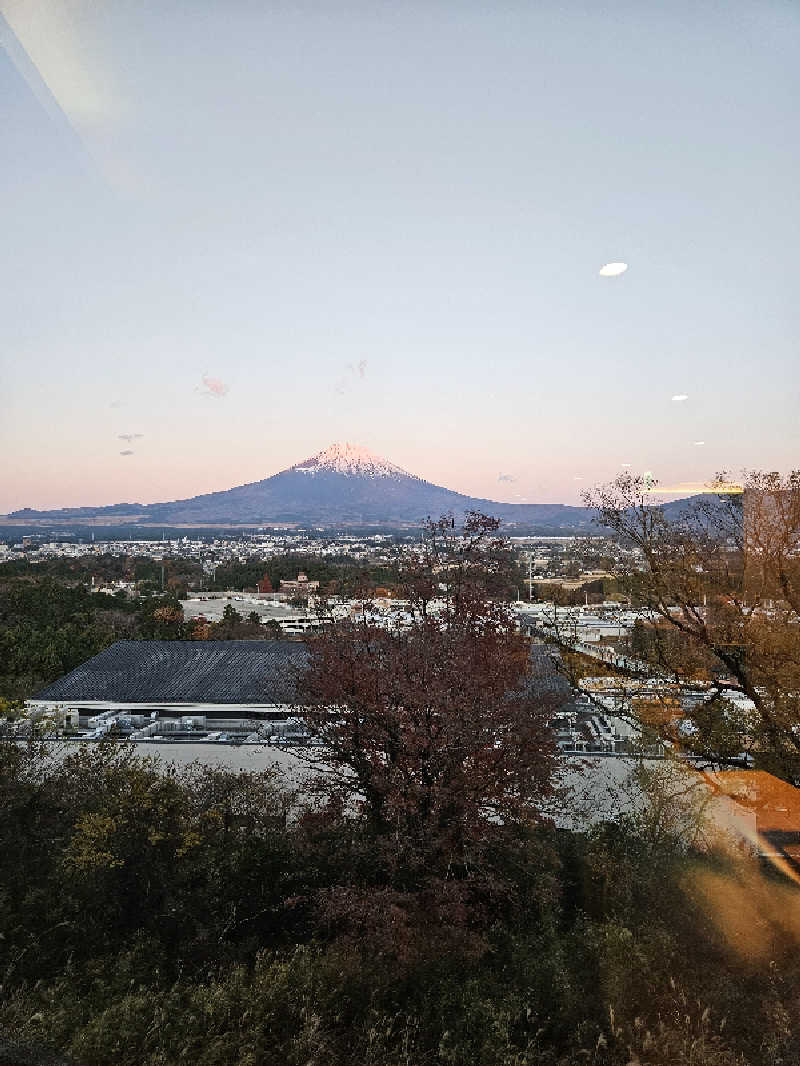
198, 628
232, 626
265, 585
436, 751
48, 627
722, 580
431, 731
465, 567
162, 620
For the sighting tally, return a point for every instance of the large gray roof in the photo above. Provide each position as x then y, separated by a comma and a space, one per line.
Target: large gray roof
186, 671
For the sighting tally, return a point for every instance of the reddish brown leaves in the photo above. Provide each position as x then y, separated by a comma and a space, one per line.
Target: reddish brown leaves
430, 731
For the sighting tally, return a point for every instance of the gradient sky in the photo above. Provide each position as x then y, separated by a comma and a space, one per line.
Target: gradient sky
383, 223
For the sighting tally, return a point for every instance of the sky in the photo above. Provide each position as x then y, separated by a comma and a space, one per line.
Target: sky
235, 233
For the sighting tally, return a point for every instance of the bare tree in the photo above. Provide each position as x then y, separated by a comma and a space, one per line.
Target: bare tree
721, 577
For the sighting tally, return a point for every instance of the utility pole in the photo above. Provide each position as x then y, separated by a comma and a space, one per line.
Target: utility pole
530, 578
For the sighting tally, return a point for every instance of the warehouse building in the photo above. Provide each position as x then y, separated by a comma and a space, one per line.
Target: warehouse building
205, 689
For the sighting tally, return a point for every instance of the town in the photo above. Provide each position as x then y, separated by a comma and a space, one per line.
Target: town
602, 715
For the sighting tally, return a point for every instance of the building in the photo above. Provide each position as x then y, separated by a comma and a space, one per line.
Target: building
145, 689
301, 587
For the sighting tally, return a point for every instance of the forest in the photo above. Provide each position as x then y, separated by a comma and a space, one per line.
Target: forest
152, 917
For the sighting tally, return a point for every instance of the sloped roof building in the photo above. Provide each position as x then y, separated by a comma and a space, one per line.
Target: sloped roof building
185, 671
221, 681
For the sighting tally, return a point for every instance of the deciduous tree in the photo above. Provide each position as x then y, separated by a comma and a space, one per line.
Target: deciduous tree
722, 579
430, 729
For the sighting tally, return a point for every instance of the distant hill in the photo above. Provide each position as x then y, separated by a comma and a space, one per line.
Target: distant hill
344, 485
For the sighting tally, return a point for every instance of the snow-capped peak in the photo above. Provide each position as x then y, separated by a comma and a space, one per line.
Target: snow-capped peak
350, 459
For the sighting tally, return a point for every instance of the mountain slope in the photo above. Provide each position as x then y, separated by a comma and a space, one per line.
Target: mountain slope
342, 485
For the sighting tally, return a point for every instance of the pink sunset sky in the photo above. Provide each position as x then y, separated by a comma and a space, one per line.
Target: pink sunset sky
234, 235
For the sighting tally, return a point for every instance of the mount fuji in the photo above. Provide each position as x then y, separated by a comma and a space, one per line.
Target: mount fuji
344, 485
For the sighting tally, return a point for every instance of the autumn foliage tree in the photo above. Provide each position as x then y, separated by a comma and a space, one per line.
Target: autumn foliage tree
434, 744
433, 741
431, 730
265, 585
722, 580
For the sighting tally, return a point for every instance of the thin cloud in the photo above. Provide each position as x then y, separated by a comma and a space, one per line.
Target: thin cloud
699, 443
117, 403
127, 452
506, 477
129, 437
680, 397
212, 387
354, 372
612, 270
359, 368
